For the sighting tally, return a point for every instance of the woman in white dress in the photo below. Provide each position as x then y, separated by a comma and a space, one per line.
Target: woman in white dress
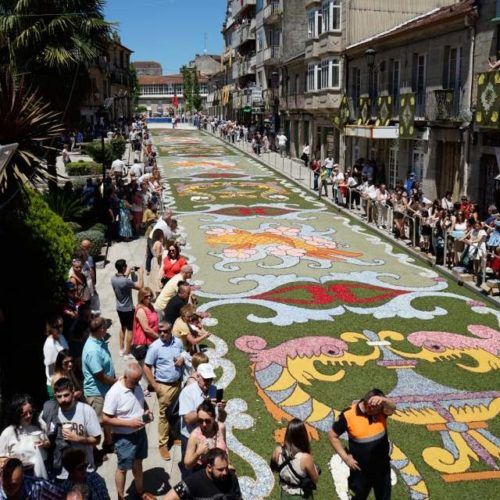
157, 250
54, 343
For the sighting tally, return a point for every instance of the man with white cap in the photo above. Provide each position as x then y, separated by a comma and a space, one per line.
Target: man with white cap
192, 396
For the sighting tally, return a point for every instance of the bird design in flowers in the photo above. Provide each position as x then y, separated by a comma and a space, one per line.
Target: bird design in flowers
280, 241
281, 372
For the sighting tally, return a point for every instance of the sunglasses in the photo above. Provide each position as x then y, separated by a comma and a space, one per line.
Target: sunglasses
205, 421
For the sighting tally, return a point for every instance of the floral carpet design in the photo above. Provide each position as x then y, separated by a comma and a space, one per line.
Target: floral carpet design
313, 310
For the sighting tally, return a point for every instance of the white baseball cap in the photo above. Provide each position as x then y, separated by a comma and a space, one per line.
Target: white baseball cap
206, 370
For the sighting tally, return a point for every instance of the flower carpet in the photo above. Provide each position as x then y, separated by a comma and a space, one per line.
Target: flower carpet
310, 310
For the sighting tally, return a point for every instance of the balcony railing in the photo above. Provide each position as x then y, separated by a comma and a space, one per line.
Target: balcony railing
269, 56
272, 12
243, 34
243, 67
242, 5
443, 105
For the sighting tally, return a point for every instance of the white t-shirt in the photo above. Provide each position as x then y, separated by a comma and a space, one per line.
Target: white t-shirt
118, 166
85, 423
189, 399
282, 140
51, 349
137, 169
161, 224
122, 402
328, 163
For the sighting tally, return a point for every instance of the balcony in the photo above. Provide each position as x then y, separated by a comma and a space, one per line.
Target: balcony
443, 105
244, 34
272, 12
241, 6
292, 102
243, 67
270, 56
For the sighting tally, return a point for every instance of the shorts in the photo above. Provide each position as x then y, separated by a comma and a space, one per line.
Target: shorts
126, 319
97, 403
130, 447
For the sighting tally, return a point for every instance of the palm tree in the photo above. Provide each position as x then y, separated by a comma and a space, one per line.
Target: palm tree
53, 43
25, 119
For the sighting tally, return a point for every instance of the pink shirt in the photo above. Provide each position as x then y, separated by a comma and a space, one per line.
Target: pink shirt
139, 337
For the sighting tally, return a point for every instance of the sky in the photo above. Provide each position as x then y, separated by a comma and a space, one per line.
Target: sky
170, 32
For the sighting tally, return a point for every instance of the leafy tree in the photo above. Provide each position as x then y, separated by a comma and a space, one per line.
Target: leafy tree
134, 85
196, 98
187, 83
53, 42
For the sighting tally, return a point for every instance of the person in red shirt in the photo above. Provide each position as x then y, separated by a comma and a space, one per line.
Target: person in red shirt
172, 262
466, 207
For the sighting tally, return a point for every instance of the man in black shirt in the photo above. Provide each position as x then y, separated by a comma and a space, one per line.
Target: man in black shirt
368, 457
214, 481
177, 302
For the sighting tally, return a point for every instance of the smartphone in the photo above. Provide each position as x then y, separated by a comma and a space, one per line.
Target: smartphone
219, 395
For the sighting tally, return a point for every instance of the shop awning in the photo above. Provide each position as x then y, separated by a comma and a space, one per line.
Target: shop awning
390, 132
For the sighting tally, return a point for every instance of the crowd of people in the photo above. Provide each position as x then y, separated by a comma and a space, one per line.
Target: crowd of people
454, 232
92, 412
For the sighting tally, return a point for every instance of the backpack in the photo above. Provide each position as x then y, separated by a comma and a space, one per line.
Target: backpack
304, 482
50, 416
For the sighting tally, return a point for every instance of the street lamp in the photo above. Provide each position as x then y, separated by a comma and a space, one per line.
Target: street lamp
370, 62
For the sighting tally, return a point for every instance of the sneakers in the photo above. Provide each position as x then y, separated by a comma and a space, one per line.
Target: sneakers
122, 352
164, 453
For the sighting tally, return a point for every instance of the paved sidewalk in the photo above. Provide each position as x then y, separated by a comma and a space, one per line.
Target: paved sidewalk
158, 473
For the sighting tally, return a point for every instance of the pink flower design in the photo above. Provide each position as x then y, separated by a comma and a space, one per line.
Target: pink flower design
284, 231
239, 253
282, 250
320, 242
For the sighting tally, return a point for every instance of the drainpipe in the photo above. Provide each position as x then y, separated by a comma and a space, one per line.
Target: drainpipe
470, 21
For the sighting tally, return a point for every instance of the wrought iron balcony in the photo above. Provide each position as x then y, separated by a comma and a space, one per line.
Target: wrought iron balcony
272, 12
443, 105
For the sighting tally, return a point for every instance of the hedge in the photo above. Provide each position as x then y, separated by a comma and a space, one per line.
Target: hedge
83, 168
97, 239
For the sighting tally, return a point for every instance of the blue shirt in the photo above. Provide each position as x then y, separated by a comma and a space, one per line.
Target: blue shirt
37, 489
161, 355
96, 358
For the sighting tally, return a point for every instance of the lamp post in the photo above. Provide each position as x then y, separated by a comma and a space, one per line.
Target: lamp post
370, 62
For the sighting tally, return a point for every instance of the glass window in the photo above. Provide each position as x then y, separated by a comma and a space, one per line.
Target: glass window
260, 39
297, 84
418, 163
311, 24
325, 10
310, 77
335, 14
335, 79
393, 167
318, 77
325, 74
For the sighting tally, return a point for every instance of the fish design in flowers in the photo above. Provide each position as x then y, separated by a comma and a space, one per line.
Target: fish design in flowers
483, 348
459, 417
281, 242
282, 374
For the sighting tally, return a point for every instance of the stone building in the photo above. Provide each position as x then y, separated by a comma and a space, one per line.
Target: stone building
148, 68
111, 86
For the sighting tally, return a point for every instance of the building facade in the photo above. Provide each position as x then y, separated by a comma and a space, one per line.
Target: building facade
111, 86
159, 93
148, 68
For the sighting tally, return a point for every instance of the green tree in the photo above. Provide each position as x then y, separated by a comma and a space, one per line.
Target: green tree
187, 84
53, 43
134, 85
196, 98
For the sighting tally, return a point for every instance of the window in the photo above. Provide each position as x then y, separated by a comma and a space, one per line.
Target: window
417, 162
325, 74
420, 76
311, 69
311, 24
454, 69
260, 39
297, 84
393, 167
314, 23
330, 11
335, 79
318, 77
